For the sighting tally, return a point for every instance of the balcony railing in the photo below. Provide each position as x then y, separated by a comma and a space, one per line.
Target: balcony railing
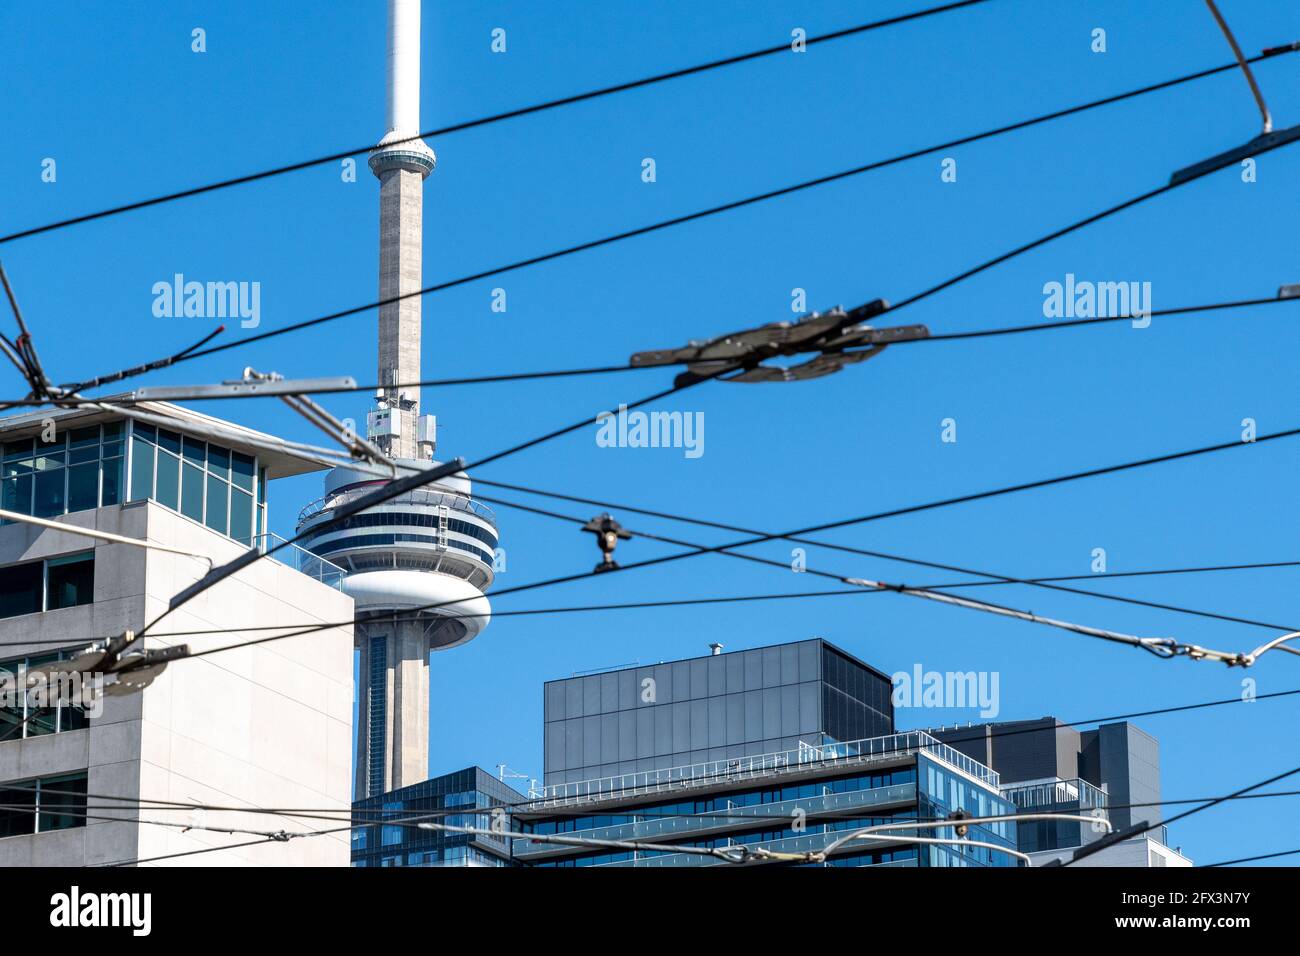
1075, 792
301, 560
653, 829
870, 750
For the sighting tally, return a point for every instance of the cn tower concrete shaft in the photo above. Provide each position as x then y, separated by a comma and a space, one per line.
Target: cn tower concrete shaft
401, 162
401, 214
393, 742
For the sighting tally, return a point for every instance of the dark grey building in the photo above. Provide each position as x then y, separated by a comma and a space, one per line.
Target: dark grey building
380, 839
1127, 761
1118, 758
719, 707
1047, 767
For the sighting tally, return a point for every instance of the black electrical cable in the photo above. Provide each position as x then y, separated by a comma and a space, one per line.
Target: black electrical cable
1035, 728
759, 538
387, 492
608, 369
724, 599
1252, 859
1146, 826
1000, 578
761, 197
512, 114
702, 522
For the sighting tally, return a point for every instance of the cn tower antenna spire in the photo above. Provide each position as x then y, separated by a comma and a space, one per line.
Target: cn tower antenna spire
401, 162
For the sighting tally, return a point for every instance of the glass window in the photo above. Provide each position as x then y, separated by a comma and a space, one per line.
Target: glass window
11, 707
218, 507
71, 581
84, 436
73, 717
141, 469
53, 455
192, 492
241, 472
62, 803
18, 449
111, 492
17, 493
20, 718
40, 720
167, 489
219, 462
241, 516
194, 451
50, 499
169, 441
20, 589
83, 487
14, 819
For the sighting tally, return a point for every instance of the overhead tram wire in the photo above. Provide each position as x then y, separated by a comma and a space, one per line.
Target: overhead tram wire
1075, 226
825, 526
741, 599
1142, 828
362, 817
230, 846
392, 490
515, 114
703, 522
1178, 311
916, 509
1164, 648
750, 200
999, 579
305, 812
1250, 859
1154, 647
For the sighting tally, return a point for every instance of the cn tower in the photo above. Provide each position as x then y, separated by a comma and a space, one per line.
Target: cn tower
432, 546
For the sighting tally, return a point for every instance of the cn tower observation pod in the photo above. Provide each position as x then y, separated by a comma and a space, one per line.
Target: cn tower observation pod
431, 546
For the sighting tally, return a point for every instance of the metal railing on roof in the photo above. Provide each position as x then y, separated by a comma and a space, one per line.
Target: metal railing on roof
301, 560
421, 497
869, 750
1073, 792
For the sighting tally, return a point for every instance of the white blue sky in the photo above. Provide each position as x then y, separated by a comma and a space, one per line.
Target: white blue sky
114, 94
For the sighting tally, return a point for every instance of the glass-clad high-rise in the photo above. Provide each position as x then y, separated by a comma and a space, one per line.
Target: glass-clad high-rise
796, 801
386, 834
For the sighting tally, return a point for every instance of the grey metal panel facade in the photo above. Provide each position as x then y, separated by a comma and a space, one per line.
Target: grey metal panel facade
1019, 750
1126, 762
762, 700
1118, 758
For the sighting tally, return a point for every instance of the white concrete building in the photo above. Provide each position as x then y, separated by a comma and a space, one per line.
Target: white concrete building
258, 727
1140, 851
